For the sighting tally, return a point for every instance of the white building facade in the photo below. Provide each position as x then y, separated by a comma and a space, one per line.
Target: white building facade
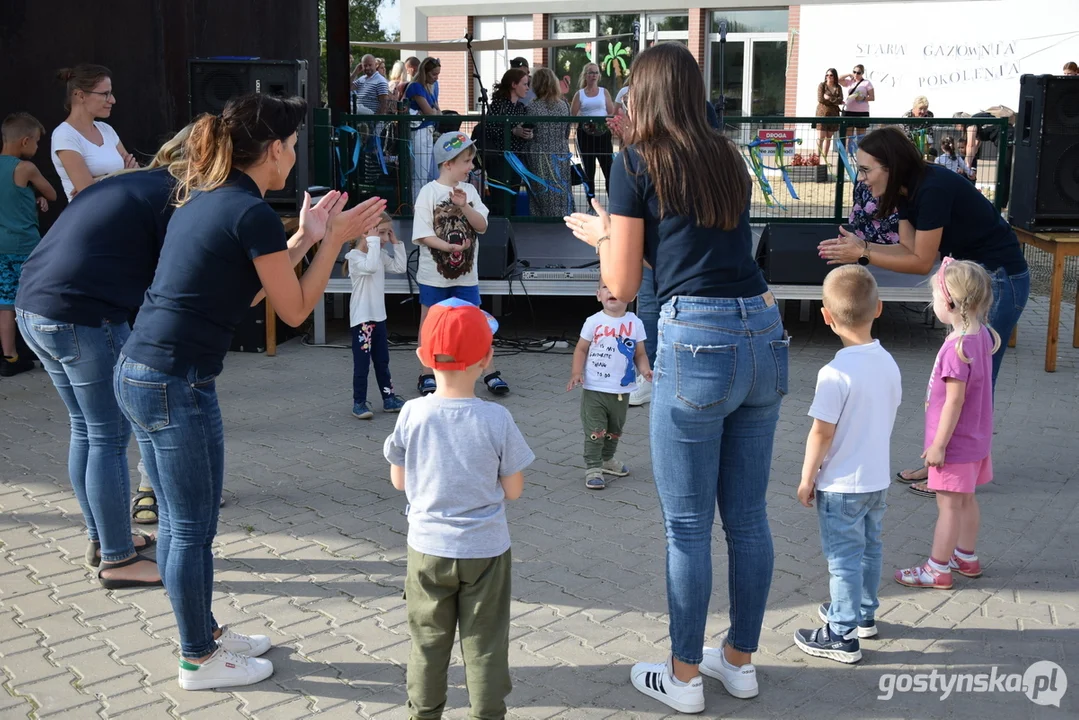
964, 55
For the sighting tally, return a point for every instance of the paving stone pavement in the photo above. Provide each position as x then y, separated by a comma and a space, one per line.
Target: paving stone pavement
311, 550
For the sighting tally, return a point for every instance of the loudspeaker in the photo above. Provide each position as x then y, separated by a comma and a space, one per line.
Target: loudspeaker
498, 251
1045, 194
787, 253
215, 81
250, 335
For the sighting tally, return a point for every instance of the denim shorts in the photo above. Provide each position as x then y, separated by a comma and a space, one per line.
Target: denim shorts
431, 295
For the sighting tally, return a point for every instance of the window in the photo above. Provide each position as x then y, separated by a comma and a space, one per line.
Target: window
748, 71
615, 56
751, 21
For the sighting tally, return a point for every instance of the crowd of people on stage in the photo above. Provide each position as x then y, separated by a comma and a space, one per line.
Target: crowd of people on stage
131, 299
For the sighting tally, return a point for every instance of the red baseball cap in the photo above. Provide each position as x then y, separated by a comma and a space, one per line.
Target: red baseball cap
458, 329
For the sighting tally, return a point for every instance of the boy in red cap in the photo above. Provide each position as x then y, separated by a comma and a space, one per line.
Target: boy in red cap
458, 459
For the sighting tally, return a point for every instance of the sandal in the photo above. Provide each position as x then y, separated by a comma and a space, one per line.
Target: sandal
921, 489
924, 576
496, 384
905, 476
121, 583
93, 550
148, 510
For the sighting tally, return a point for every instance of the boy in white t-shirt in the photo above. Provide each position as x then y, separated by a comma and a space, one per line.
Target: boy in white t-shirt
448, 217
607, 360
847, 465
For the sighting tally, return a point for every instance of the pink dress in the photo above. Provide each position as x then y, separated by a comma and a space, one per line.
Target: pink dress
968, 457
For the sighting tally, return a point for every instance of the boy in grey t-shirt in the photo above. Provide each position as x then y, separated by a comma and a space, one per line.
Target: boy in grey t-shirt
458, 459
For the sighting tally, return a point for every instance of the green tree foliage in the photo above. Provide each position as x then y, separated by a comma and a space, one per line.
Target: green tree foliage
362, 25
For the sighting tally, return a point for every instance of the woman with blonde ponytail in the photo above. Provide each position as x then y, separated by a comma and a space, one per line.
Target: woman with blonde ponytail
78, 290
224, 246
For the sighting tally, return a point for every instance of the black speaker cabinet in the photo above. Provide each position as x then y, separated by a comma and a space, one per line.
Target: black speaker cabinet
498, 251
1045, 176
215, 81
787, 253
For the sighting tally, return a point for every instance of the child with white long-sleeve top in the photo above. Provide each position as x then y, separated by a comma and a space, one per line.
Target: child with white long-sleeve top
368, 263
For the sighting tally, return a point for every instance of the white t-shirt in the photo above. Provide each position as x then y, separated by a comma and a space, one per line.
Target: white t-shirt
436, 215
610, 367
859, 392
100, 159
368, 274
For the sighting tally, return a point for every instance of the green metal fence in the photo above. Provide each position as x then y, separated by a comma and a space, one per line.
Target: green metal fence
375, 155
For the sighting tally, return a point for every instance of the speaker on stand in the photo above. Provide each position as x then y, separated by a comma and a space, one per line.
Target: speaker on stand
1045, 191
215, 81
498, 251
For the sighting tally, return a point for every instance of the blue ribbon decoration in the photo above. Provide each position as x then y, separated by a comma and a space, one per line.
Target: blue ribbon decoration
851, 172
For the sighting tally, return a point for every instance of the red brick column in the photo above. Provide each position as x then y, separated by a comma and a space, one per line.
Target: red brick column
794, 40
699, 20
541, 30
453, 84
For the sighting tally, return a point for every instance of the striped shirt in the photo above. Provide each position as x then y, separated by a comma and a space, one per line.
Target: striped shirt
366, 90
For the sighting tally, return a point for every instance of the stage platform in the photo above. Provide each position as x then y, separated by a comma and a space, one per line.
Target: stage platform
554, 264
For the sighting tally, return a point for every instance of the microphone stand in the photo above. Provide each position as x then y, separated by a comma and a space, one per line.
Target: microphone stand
483, 114
722, 74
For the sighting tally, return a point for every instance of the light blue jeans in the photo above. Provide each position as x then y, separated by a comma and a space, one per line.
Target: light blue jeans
177, 422
80, 360
1010, 294
721, 373
850, 530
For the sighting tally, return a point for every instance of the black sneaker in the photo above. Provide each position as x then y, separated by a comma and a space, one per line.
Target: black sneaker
10, 369
866, 628
426, 384
823, 644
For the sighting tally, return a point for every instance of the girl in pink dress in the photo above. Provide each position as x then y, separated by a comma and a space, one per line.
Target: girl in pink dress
958, 422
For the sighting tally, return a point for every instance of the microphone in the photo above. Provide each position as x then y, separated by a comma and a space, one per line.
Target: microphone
468, 36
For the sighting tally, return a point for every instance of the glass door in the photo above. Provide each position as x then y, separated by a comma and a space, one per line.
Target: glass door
769, 78
728, 77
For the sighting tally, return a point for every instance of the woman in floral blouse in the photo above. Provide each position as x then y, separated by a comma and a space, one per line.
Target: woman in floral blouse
866, 225
506, 102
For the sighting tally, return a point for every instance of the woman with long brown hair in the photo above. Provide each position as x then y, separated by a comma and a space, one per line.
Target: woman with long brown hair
829, 103
721, 365
507, 102
224, 245
422, 96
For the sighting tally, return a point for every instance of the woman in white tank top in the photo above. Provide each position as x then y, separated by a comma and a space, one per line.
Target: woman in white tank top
594, 137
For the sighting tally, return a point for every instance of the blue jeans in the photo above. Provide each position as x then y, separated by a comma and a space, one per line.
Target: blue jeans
648, 312
721, 373
177, 422
1010, 294
370, 344
80, 361
850, 529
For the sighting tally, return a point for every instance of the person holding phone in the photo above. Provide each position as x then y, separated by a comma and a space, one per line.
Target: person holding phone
507, 101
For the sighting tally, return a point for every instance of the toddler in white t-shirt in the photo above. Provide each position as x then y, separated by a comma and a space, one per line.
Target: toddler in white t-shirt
607, 360
847, 464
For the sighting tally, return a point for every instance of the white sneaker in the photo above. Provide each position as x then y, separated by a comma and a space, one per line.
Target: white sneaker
642, 394
249, 645
224, 669
657, 681
741, 682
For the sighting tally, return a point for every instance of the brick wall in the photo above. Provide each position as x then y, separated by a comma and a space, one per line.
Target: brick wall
794, 14
453, 82
698, 34
541, 30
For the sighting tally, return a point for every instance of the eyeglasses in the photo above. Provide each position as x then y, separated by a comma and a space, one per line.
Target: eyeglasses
107, 94
863, 171
591, 72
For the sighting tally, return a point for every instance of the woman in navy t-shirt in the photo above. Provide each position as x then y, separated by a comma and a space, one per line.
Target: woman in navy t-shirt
78, 289
940, 213
721, 365
224, 244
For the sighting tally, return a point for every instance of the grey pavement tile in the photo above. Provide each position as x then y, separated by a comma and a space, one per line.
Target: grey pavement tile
311, 551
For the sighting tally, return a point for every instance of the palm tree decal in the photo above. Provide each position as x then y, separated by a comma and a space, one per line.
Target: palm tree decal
614, 63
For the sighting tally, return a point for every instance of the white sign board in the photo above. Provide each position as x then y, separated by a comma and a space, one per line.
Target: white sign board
963, 56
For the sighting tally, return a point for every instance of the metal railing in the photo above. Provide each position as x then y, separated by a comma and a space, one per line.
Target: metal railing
376, 155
